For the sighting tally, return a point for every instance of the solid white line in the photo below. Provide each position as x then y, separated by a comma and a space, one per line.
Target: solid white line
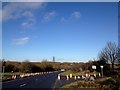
55, 84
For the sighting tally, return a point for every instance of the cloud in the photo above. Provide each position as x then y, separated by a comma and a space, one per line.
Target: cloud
73, 16
28, 23
28, 14
76, 15
17, 10
63, 19
49, 16
21, 41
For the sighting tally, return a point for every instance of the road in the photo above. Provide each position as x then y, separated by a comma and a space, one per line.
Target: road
40, 81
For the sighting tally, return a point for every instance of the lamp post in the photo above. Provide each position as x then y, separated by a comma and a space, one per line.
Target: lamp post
102, 70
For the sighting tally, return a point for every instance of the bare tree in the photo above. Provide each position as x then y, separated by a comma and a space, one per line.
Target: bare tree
118, 55
109, 53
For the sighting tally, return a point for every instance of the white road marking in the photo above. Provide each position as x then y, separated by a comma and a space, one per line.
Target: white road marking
55, 84
22, 85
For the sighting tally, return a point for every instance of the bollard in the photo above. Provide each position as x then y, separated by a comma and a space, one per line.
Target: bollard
14, 77
99, 75
67, 77
83, 77
92, 78
94, 75
86, 75
20, 76
75, 77
58, 76
78, 77
89, 75
70, 75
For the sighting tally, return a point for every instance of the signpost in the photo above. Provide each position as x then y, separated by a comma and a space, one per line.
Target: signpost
93, 67
4, 67
101, 70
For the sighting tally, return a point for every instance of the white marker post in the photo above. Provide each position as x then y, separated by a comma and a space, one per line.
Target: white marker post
99, 75
86, 75
94, 75
83, 77
89, 75
70, 75
78, 77
67, 77
58, 76
75, 77
14, 77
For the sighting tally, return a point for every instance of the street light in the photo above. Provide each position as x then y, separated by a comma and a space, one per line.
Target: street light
102, 70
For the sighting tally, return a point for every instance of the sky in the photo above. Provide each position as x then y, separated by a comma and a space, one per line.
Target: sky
72, 32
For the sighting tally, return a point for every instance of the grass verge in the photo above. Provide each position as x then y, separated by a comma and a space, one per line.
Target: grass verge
3, 79
82, 84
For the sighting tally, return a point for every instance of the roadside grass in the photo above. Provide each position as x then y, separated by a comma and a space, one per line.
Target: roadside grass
89, 85
82, 84
75, 73
3, 79
7, 76
11, 73
69, 85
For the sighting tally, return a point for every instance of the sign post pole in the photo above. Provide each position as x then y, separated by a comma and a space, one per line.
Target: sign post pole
101, 70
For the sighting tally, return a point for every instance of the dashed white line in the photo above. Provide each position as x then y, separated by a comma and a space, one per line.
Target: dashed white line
22, 85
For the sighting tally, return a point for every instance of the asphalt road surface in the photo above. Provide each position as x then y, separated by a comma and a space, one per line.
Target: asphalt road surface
40, 81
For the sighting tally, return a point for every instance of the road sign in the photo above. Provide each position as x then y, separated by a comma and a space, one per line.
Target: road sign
93, 67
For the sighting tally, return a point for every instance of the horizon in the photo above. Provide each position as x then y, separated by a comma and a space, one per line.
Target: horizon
72, 32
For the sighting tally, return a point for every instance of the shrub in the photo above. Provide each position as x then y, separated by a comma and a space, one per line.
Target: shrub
9, 68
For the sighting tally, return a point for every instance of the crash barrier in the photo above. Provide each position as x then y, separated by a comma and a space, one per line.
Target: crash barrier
83, 77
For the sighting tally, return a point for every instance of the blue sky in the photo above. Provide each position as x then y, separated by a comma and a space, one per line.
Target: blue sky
72, 32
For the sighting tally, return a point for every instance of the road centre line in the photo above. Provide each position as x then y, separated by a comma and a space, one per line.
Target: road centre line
22, 85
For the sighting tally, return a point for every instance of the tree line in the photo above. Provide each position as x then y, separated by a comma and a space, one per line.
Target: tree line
108, 57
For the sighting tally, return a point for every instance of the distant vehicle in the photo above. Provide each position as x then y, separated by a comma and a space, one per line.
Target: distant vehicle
62, 69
